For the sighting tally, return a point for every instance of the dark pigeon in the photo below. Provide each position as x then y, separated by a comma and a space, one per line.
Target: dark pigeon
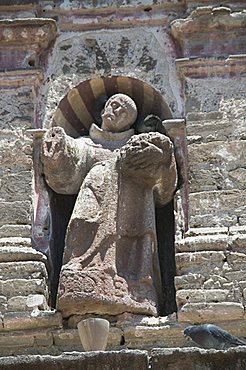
151, 123
211, 336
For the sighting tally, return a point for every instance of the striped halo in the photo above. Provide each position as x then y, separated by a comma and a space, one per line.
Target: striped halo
76, 111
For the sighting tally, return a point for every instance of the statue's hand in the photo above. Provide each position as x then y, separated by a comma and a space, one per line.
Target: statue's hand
144, 156
54, 143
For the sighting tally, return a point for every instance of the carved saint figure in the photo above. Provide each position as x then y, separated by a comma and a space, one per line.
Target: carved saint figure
110, 262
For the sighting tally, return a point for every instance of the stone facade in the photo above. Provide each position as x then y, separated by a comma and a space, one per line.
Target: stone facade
192, 52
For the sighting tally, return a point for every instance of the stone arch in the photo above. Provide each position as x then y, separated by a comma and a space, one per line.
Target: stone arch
77, 110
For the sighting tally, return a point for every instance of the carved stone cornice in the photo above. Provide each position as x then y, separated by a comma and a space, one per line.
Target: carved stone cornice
22, 41
234, 65
115, 17
209, 31
21, 78
38, 32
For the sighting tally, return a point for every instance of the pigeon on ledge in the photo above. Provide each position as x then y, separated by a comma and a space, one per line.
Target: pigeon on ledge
211, 336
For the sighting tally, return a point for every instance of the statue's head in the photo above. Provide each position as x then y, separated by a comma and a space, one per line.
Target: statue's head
120, 112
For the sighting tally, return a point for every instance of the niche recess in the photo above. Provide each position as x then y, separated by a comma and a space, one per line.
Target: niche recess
75, 113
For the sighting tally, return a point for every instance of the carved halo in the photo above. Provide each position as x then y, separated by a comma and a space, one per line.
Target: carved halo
76, 111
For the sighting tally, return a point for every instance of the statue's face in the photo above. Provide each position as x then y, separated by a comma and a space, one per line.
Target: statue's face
116, 116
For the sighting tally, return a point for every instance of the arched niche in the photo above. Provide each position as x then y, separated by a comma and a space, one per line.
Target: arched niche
75, 113
77, 110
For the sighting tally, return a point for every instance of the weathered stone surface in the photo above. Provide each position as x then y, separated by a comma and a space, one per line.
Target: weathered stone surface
172, 358
16, 108
17, 212
15, 241
10, 254
15, 287
235, 276
66, 338
23, 340
206, 295
237, 230
33, 34
237, 260
219, 208
194, 32
16, 152
34, 320
23, 231
216, 282
215, 108
43, 338
203, 127
121, 360
199, 262
205, 231
105, 236
128, 319
237, 243
161, 336
27, 303
217, 242
189, 281
16, 186
23, 270
195, 358
3, 303
211, 312
213, 242
242, 219
217, 165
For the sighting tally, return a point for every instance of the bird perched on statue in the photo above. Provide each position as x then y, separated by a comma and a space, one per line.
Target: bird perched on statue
151, 123
211, 336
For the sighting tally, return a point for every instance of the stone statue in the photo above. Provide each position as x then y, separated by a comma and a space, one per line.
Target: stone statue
110, 262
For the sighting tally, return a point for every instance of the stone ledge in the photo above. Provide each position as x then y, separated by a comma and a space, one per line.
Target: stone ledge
34, 320
197, 231
234, 242
195, 358
15, 241
105, 16
121, 360
159, 358
21, 77
211, 312
21, 231
23, 270
10, 254
210, 242
211, 67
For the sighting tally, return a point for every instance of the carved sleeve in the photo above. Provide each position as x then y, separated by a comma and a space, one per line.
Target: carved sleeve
149, 160
64, 161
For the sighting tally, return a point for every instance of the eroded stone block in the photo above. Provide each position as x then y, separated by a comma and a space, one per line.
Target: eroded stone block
199, 262
31, 320
211, 312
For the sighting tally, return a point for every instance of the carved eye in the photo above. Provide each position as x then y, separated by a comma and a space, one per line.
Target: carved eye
115, 104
